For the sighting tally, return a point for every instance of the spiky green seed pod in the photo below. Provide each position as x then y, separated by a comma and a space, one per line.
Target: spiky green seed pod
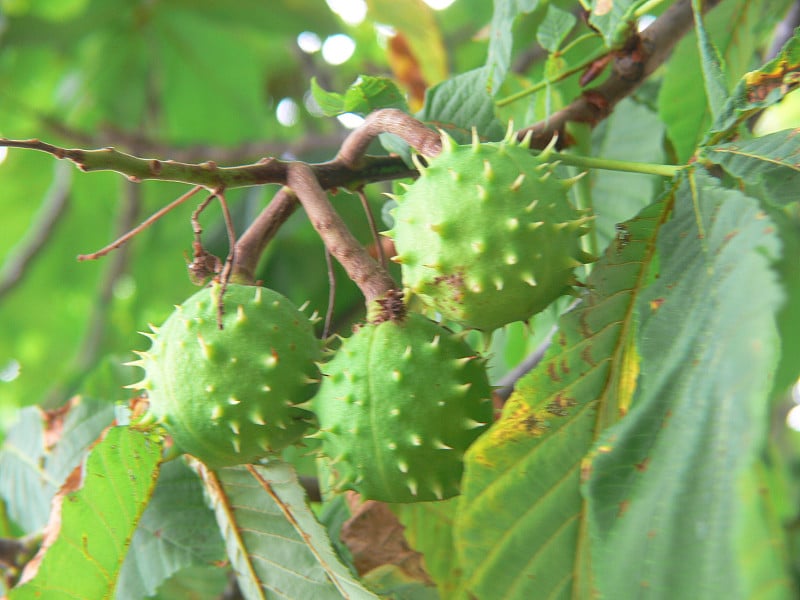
228, 396
487, 234
398, 406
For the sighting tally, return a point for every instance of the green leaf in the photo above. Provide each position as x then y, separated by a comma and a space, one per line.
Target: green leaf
736, 28
196, 583
31, 472
523, 475
761, 540
97, 519
429, 530
771, 162
274, 543
502, 39
176, 531
461, 103
393, 582
367, 93
555, 26
663, 484
759, 89
712, 64
613, 18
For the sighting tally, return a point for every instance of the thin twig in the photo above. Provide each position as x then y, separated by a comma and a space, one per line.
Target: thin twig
648, 52
508, 382
55, 203
231, 257
144, 225
372, 226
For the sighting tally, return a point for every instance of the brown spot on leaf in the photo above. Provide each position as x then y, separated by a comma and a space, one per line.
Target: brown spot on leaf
375, 538
586, 469
551, 372
759, 84
54, 422
560, 405
623, 507
656, 303
603, 7
586, 355
642, 466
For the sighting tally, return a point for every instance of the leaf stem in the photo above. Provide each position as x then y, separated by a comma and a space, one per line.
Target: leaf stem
587, 162
545, 82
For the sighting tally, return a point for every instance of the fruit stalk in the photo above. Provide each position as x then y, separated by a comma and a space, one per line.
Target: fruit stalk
587, 162
372, 279
255, 239
388, 120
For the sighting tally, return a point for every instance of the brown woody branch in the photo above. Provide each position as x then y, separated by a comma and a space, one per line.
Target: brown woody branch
371, 278
646, 52
332, 174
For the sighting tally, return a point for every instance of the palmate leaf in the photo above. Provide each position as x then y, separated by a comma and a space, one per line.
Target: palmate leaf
523, 475
99, 512
663, 487
275, 545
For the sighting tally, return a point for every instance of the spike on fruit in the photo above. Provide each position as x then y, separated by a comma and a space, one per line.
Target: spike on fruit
476, 141
231, 410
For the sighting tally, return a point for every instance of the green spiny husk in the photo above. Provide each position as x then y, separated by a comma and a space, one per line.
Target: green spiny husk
399, 404
487, 234
229, 396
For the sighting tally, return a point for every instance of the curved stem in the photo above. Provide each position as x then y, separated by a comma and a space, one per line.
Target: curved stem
545, 82
372, 279
388, 120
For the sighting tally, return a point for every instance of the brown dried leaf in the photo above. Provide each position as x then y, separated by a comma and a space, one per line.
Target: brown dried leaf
375, 538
